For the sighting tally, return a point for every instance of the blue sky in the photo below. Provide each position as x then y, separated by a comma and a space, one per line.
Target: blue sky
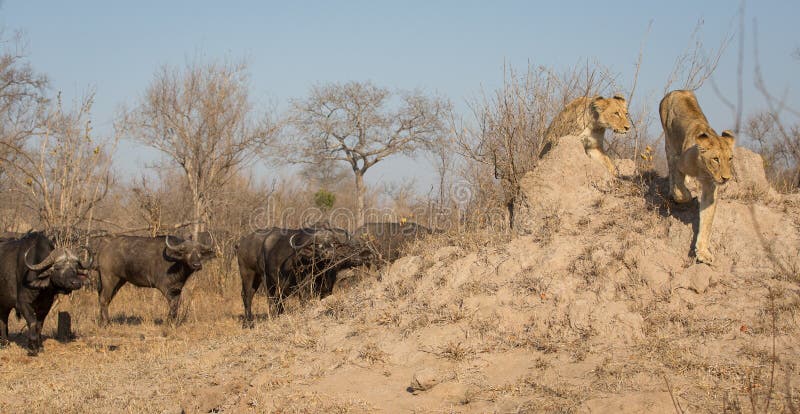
453, 48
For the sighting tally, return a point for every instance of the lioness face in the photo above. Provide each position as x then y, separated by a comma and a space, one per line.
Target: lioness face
612, 113
716, 154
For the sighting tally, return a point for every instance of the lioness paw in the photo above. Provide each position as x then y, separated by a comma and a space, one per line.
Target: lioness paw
681, 196
704, 256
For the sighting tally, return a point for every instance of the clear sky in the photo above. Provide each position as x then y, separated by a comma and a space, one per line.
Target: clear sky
453, 48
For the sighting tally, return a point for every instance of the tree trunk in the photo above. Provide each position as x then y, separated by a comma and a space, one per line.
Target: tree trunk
198, 214
359, 176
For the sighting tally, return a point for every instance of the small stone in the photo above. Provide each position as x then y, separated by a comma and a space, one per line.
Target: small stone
455, 393
424, 380
699, 281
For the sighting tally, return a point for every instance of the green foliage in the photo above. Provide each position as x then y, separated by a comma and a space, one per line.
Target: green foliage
324, 199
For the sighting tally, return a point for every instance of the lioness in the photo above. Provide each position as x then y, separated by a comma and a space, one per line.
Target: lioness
694, 149
589, 118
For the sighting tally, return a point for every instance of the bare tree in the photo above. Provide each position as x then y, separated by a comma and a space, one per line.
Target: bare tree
443, 158
23, 101
201, 117
696, 65
325, 173
149, 206
362, 124
62, 172
784, 132
507, 132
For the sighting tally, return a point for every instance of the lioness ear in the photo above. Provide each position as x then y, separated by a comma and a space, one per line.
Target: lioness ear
619, 97
728, 137
703, 141
599, 103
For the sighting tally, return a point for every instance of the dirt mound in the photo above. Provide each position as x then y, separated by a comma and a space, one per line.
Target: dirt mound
598, 307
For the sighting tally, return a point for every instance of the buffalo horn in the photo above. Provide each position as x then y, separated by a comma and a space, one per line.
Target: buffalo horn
170, 246
47, 262
89, 257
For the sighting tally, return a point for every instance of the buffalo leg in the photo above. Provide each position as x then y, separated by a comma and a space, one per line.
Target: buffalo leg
327, 281
173, 296
109, 286
4, 327
27, 312
250, 284
41, 309
277, 292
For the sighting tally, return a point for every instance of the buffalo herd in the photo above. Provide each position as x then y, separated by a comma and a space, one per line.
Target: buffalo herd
303, 262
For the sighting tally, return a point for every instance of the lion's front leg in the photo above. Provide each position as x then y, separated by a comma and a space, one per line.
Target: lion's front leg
677, 182
708, 208
600, 156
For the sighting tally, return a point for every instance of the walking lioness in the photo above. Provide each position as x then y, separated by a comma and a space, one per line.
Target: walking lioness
695, 149
588, 118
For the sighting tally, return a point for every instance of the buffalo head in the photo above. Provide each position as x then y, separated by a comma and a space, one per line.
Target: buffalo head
190, 252
330, 243
61, 268
325, 243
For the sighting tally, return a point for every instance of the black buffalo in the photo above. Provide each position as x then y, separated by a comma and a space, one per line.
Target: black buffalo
290, 260
223, 242
163, 262
389, 239
32, 273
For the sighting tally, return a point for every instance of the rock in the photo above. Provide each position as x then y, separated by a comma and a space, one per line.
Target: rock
424, 380
656, 277
402, 268
749, 177
699, 281
696, 278
579, 314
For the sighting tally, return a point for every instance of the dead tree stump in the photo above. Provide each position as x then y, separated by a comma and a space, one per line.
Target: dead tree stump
64, 327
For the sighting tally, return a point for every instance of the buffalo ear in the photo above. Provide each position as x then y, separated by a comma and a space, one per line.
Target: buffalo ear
172, 254
40, 280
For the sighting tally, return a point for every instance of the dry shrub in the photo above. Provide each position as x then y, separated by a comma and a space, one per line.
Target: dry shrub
454, 351
372, 353
506, 134
530, 282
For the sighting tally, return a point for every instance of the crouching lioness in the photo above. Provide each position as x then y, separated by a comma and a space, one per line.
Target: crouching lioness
695, 149
588, 118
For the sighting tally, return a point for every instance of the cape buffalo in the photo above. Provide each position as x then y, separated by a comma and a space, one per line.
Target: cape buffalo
32, 273
390, 238
163, 262
287, 260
